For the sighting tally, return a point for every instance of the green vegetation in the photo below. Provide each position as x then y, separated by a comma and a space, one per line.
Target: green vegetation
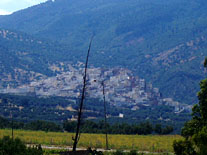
8, 146
132, 152
58, 109
195, 130
34, 125
152, 143
140, 129
87, 127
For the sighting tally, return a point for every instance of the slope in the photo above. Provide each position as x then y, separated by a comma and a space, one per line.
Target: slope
24, 58
133, 34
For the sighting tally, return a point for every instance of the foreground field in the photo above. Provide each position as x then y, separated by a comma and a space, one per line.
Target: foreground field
151, 143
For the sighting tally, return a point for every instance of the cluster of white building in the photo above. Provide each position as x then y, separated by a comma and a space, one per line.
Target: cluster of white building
120, 85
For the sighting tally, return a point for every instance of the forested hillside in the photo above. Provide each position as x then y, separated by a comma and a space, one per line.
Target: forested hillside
24, 58
161, 41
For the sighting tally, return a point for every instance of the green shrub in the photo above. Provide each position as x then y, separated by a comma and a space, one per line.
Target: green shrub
133, 152
200, 140
118, 152
8, 146
183, 147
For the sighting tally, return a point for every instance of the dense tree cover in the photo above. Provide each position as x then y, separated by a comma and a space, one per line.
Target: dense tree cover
54, 109
99, 127
29, 108
43, 126
33, 125
8, 146
195, 130
3, 122
159, 130
89, 127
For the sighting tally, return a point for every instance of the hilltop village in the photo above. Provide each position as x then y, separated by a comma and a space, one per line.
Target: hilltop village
122, 88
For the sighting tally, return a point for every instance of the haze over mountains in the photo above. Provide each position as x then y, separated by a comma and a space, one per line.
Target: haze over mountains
164, 42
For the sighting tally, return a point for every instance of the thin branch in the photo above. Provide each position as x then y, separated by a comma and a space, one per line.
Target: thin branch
77, 137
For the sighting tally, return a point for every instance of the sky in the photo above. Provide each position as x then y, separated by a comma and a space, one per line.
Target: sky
9, 6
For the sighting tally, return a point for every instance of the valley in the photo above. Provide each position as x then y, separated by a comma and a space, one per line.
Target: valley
139, 85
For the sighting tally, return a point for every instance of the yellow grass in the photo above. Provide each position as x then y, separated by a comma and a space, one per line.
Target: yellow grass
152, 143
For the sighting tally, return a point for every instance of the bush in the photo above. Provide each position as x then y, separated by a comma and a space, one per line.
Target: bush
118, 152
200, 140
183, 147
8, 146
133, 152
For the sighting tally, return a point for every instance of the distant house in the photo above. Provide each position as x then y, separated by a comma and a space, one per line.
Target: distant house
135, 108
121, 115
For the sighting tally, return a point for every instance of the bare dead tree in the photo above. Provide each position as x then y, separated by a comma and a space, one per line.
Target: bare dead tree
77, 136
105, 114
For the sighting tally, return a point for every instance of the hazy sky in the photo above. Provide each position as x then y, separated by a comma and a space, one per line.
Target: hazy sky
9, 6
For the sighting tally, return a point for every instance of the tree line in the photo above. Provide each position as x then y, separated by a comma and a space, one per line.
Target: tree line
38, 125
144, 128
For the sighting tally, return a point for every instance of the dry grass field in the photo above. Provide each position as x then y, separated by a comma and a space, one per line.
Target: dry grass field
151, 143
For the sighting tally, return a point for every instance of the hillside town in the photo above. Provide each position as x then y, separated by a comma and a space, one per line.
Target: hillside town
122, 88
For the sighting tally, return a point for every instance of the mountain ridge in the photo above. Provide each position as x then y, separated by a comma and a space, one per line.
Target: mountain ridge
137, 35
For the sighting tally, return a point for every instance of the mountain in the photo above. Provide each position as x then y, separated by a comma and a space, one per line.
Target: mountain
30, 65
24, 58
161, 41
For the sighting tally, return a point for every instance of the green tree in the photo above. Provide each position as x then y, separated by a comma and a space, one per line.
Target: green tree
43, 126
69, 126
200, 140
158, 128
195, 130
167, 130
